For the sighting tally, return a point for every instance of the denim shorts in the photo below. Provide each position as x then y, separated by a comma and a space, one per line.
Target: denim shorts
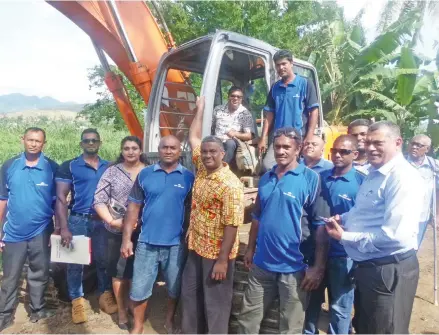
146, 266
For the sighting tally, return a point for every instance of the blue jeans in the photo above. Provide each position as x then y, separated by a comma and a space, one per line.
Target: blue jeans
96, 231
341, 298
146, 266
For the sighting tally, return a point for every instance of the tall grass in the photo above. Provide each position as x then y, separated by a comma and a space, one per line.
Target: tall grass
63, 136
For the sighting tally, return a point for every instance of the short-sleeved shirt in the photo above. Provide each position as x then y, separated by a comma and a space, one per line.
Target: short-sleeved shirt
428, 169
30, 192
279, 209
217, 202
83, 179
115, 183
223, 121
322, 165
163, 196
292, 102
340, 193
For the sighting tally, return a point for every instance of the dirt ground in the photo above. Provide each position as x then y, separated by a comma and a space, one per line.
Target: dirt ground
424, 317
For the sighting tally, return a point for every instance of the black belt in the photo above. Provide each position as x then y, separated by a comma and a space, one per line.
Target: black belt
386, 260
85, 215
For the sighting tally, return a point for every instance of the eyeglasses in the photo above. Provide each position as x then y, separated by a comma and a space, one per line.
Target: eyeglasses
90, 141
418, 145
288, 132
342, 152
236, 96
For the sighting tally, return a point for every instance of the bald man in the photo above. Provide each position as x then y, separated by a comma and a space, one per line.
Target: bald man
312, 153
428, 168
164, 191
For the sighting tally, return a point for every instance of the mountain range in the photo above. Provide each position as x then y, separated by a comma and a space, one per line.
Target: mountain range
17, 102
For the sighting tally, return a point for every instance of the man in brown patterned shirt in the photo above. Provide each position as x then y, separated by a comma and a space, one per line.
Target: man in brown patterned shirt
217, 211
232, 121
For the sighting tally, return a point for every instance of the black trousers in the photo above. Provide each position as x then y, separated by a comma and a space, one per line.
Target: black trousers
205, 303
37, 251
387, 293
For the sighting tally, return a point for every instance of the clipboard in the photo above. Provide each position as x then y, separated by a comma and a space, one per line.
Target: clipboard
79, 254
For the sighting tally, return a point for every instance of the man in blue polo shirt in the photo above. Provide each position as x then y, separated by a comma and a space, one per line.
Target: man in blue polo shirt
275, 238
27, 194
79, 177
339, 189
163, 190
358, 128
291, 102
312, 153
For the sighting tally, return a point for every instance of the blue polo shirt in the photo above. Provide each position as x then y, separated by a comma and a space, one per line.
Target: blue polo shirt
292, 102
30, 192
322, 165
279, 210
165, 197
340, 193
84, 179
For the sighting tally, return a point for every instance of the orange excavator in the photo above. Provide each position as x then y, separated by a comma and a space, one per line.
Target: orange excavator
169, 78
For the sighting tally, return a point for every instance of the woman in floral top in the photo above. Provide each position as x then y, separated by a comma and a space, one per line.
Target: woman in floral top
113, 190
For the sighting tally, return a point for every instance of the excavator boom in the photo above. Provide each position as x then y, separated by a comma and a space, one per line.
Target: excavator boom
129, 34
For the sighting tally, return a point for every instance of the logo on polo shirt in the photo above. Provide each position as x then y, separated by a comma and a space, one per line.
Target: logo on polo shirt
289, 194
345, 196
296, 96
179, 186
42, 184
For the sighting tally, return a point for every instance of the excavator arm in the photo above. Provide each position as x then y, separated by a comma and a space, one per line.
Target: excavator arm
129, 34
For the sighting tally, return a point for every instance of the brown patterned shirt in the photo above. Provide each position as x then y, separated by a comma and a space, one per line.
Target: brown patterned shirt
217, 201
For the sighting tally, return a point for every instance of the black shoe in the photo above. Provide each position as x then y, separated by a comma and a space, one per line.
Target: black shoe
6, 322
42, 314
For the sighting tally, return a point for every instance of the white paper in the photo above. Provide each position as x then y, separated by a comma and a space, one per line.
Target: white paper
79, 254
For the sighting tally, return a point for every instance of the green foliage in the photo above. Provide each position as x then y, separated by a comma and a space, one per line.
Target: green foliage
291, 24
63, 138
104, 110
383, 79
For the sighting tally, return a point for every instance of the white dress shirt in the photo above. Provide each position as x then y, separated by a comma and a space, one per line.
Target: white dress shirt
427, 170
385, 218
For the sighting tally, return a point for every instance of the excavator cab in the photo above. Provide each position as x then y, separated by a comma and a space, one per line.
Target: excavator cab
209, 66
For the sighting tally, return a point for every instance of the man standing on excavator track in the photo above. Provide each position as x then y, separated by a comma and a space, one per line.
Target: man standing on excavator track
291, 102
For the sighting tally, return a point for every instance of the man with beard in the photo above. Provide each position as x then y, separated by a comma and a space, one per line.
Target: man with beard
27, 193
291, 102
380, 234
358, 128
217, 212
276, 263
428, 168
339, 189
231, 121
312, 153
80, 176
163, 190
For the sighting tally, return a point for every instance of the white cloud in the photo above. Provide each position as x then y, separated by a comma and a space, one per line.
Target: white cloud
43, 53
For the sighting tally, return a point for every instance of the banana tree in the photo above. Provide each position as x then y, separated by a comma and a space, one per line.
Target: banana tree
374, 80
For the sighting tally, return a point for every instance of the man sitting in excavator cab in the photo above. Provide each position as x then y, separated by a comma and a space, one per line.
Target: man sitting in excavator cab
231, 122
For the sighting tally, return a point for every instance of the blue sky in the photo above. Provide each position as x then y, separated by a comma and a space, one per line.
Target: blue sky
44, 53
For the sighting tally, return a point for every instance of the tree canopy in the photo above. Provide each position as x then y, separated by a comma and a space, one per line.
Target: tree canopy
383, 79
